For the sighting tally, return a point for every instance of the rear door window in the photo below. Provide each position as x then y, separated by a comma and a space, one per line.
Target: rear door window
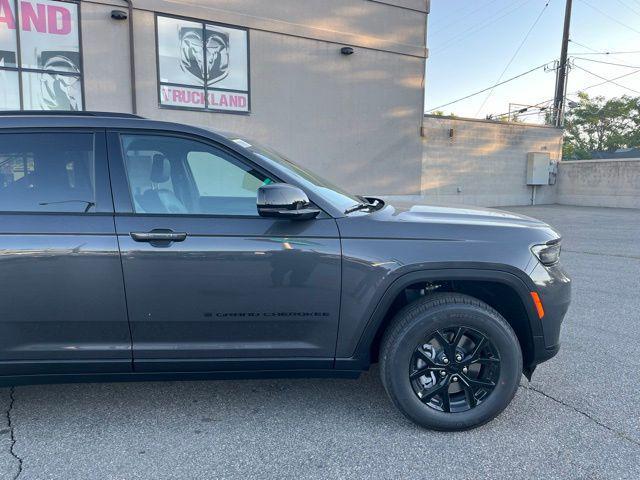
48, 172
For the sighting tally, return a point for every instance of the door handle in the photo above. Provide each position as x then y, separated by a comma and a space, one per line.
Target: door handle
159, 236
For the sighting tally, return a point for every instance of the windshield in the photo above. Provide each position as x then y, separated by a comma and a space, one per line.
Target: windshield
335, 195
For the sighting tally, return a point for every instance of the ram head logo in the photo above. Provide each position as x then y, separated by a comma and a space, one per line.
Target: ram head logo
207, 60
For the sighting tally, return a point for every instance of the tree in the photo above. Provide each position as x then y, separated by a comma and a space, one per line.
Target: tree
596, 124
440, 113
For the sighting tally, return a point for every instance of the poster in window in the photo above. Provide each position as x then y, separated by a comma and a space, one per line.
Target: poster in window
49, 49
202, 65
7, 34
51, 91
49, 26
9, 90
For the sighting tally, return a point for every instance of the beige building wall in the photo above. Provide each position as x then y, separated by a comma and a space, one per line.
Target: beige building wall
354, 119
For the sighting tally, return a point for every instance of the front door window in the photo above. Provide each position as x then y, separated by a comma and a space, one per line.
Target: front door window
172, 175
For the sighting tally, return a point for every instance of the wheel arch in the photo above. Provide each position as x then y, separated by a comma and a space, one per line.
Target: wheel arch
503, 287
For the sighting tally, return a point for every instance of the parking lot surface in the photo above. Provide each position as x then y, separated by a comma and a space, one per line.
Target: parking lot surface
578, 418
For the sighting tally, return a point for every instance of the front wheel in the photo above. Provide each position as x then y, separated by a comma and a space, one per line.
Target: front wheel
450, 362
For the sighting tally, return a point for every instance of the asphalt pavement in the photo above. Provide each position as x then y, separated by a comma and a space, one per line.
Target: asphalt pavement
578, 419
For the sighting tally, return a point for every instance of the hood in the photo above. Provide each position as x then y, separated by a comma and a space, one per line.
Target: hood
411, 221
461, 214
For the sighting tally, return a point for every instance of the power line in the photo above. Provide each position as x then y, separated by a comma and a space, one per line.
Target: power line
571, 40
606, 53
474, 29
628, 7
537, 105
571, 94
484, 23
606, 63
515, 54
460, 18
610, 17
595, 51
489, 88
607, 80
452, 14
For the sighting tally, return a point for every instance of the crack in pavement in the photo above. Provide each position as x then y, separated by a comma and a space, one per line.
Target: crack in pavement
12, 433
600, 254
585, 414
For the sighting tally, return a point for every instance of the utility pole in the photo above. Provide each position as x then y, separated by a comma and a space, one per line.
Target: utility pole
558, 102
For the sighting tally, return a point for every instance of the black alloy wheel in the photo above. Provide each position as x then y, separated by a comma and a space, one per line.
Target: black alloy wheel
455, 369
450, 362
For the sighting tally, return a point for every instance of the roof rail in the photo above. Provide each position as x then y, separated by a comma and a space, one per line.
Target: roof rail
66, 113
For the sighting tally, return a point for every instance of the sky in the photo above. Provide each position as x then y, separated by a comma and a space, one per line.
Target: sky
471, 42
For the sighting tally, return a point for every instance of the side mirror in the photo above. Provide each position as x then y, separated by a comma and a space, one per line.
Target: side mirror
285, 201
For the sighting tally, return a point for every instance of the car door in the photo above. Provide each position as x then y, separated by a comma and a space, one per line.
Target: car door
210, 284
62, 304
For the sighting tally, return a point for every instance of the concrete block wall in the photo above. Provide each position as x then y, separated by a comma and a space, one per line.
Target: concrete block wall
481, 162
600, 183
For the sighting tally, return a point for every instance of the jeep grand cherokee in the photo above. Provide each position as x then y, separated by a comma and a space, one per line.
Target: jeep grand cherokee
138, 249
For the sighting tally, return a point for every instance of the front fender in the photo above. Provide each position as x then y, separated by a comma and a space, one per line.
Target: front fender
357, 335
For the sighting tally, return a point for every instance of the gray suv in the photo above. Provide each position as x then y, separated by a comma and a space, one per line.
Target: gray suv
133, 249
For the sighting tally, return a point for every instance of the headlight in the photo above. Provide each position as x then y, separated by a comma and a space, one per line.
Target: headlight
549, 253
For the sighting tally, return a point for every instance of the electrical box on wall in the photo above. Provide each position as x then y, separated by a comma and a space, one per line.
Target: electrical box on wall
538, 168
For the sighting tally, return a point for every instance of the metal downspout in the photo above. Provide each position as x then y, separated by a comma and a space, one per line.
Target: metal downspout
132, 59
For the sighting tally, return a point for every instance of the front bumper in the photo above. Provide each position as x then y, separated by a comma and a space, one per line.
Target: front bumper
554, 288
540, 354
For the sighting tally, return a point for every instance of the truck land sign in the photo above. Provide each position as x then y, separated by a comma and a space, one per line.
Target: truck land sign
41, 17
201, 65
179, 96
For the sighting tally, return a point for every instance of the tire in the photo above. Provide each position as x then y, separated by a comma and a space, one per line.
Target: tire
439, 319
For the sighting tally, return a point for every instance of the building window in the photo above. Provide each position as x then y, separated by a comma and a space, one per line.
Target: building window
40, 63
202, 66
